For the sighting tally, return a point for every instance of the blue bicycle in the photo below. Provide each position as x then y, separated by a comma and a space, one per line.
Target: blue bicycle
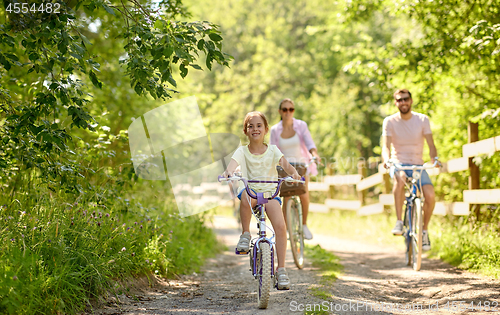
262, 248
413, 212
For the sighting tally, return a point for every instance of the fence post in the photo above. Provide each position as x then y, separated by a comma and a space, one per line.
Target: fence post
387, 190
473, 135
363, 172
331, 189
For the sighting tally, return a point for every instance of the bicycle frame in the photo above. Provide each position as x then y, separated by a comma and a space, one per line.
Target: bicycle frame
259, 213
262, 249
414, 193
415, 190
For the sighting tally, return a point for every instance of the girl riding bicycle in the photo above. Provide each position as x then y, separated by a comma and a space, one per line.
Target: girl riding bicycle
258, 160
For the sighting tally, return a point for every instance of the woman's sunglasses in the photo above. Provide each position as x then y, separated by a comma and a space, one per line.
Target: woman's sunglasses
284, 110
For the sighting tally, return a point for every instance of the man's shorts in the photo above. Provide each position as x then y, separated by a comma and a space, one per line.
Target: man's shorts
241, 192
424, 179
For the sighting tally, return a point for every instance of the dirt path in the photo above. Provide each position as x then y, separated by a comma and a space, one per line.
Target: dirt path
374, 280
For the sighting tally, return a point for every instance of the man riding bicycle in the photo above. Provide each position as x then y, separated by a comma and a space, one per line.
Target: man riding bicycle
406, 131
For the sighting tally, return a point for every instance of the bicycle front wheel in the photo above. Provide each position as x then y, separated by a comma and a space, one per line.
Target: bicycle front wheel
263, 274
295, 231
417, 227
407, 236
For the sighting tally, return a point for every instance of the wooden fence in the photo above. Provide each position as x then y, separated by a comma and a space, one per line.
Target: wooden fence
471, 197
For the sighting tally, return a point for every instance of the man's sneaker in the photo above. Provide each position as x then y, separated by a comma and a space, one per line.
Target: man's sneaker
282, 278
426, 242
398, 229
307, 234
244, 242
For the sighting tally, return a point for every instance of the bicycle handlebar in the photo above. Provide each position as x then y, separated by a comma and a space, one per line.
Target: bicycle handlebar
312, 160
251, 193
426, 166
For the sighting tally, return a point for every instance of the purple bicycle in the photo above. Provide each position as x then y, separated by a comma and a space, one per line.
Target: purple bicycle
262, 248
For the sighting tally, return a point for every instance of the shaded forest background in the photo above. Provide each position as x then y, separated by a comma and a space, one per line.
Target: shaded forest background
341, 61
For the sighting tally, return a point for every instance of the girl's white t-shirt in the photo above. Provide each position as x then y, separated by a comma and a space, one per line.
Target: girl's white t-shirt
291, 148
259, 166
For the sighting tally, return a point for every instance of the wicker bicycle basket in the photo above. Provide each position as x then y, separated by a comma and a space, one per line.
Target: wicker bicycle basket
292, 189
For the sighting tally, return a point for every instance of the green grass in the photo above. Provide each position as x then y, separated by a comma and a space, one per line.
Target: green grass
374, 229
329, 269
56, 257
474, 249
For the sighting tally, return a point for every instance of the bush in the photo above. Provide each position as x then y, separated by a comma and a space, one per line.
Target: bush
55, 257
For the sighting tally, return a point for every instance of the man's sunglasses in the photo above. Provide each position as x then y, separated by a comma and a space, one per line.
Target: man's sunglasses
400, 100
284, 110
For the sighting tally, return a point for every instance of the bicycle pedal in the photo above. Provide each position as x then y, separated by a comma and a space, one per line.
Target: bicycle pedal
240, 253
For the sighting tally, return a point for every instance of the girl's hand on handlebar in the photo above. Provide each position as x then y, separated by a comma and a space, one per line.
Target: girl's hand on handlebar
296, 176
226, 174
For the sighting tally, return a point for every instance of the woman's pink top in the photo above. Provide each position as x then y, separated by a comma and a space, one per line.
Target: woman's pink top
306, 141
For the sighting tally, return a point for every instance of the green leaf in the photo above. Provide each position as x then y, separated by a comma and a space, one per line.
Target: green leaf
180, 53
79, 49
201, 44
184, 70
215, 37
76, 56
95, 80
209, 61
108, 9
159, 23
33, 56
4, 62
85, 40
167, 52
35, 129
12, 57
165, 75
171, 80
138, 89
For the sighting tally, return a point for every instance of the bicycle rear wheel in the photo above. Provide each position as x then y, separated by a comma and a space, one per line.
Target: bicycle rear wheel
417, 227
295, 231
263, 274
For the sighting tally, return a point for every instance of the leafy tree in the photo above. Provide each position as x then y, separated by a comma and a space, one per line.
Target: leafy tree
448, 56
52, 61
74, 217
296, 49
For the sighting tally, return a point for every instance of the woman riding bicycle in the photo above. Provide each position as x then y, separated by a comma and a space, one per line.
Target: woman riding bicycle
258, 161
294, 139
